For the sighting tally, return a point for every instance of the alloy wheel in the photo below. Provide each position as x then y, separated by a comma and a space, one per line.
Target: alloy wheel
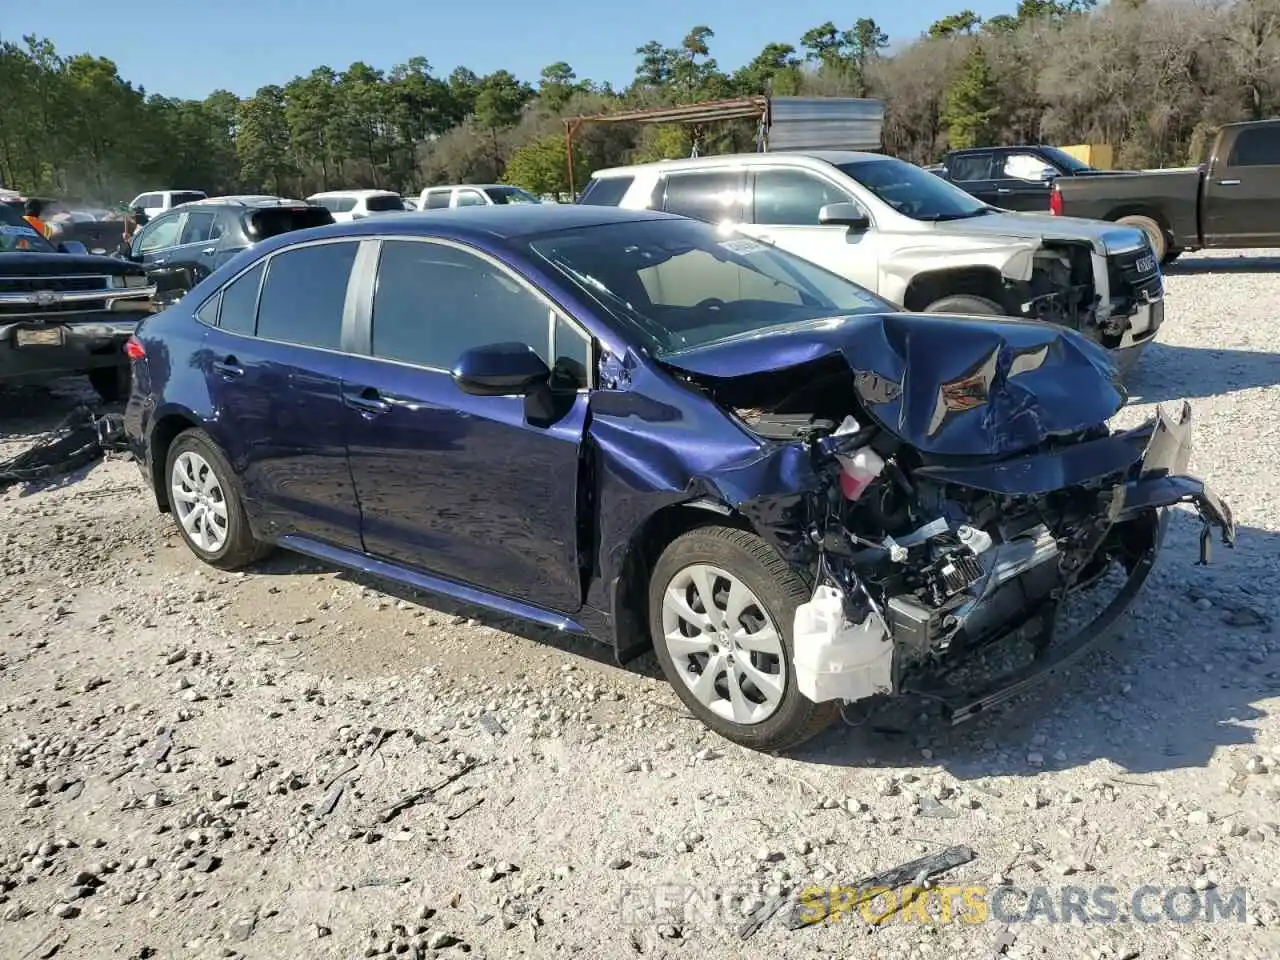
199, 502
724, 644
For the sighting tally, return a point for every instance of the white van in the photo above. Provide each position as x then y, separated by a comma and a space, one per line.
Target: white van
473, 195
347, 205
156, 202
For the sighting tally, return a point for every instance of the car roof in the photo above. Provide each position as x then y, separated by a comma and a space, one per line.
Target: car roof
245, 200
498, 222
813, 157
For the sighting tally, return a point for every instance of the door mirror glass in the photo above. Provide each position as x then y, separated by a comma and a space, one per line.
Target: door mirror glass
501, 370
844, 215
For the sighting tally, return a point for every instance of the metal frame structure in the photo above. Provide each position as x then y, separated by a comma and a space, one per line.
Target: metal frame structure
756, 108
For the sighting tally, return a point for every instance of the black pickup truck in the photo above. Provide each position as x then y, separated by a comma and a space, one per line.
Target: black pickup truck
1012, 178
1230, 200
64, 311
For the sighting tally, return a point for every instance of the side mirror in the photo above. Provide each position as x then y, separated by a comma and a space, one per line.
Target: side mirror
501, 370
1048, 173
72, 246
843, 215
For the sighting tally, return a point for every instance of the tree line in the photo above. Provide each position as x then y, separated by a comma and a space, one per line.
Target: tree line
1153, 78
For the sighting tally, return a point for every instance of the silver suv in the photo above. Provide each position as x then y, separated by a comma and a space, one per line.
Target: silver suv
914, 239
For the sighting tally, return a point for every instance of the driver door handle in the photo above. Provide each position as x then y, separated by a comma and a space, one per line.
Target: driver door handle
1228, 183
209, 251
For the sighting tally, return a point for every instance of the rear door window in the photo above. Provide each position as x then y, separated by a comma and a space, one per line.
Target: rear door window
969, 167
187, 196
713, 195
304, 294
606, 191
437, 199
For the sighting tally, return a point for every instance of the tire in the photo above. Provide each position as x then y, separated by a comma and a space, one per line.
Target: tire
237, 547
966, 303
1156, 236
112, 384
785, 719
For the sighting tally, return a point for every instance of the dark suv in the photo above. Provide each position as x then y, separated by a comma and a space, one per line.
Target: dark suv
197, 238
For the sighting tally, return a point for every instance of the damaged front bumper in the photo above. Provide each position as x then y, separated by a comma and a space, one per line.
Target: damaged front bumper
839, 660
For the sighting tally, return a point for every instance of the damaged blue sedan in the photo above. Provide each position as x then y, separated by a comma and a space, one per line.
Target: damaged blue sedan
669, 437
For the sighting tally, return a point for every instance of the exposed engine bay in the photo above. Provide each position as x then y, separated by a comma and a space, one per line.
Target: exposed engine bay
924, 553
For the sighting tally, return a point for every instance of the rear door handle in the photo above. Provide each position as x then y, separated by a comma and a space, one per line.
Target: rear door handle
1228, 183
229, 368
1003, 190
366, 401
209, 251
159, 261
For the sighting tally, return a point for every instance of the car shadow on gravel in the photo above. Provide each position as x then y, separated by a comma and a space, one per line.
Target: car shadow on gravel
1190, 672
1199, 266
1169, 372
283, 563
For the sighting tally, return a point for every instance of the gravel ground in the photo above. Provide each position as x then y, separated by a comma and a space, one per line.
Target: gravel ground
295, 762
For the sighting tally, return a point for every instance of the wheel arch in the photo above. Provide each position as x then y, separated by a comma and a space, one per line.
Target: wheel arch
166, 429
932, 285
629, 592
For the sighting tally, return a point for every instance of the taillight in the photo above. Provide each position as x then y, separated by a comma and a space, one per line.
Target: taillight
1055, 201
133, 349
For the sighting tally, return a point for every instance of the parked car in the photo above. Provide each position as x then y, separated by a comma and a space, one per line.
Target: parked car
410, 203
156, 202
64, 311
1012, 178
637, 426
346, 205
473, 195
914, 239
197, 238
1231, 200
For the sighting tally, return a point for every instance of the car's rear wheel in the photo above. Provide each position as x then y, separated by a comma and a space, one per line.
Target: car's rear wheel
205, 500
967, 304
721, 608
111, 383
1156, 236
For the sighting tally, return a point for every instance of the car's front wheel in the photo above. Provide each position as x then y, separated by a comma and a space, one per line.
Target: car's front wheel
722, 604
205, 500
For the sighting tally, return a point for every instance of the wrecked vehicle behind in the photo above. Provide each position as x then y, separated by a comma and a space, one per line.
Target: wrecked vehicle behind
631, 425
915, 239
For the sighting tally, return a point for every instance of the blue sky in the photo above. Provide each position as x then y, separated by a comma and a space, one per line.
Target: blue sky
189, 48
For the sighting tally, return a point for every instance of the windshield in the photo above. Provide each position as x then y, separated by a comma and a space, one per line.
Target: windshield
1065, 161
914, 192
18, 235
510, 195
677, 284
379, 204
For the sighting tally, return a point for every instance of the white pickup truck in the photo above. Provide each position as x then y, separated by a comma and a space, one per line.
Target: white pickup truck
914, 239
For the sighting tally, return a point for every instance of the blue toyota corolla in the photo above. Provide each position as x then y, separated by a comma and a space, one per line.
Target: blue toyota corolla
658, 432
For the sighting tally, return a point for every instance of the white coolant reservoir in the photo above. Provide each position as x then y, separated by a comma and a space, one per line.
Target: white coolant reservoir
857, 470
836, 659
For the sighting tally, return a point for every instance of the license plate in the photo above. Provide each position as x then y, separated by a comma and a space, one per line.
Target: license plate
51, 337
1146, 265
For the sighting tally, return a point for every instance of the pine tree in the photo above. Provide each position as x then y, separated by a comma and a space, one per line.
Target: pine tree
972, 103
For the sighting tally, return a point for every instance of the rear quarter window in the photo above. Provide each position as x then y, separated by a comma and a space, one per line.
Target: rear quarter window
273, 221
381, 204
606, 191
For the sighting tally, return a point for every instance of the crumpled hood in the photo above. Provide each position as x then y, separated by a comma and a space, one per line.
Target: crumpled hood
949, 386
1106, 237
